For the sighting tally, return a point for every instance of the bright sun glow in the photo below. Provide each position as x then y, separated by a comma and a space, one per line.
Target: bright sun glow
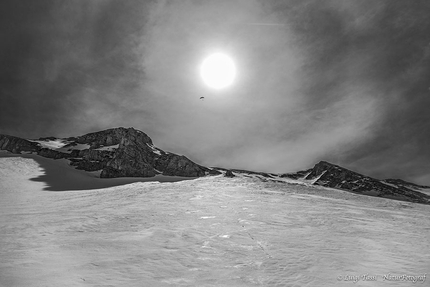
218, 71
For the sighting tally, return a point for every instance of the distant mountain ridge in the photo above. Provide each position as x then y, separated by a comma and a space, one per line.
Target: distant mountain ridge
331, 175
127, 152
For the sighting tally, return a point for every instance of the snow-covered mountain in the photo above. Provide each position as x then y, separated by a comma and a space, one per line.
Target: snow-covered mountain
117, 152
333, 176
127, 152
330, 175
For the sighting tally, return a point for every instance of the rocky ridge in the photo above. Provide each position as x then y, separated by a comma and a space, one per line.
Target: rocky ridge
117, 152
127, 152
331, 175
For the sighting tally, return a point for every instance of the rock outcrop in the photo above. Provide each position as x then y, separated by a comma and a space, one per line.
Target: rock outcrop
132, 158
111, 137
173, 164
17, 145
118, 152
229, 173
330, 175
400, 182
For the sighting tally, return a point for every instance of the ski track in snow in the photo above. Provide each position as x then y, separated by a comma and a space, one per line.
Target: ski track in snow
210, 231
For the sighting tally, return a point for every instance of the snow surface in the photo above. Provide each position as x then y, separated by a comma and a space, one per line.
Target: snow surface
52, 144
109, 148
390, 184
211, 231
60, 145
154, 149
78, 147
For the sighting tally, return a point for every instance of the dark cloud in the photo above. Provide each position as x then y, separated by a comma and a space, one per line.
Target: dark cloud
66, 59
344, 81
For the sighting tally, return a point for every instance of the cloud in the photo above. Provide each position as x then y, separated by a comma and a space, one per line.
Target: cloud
344, 81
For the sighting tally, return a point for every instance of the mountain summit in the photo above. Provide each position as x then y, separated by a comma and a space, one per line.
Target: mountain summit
117, 152
330, 175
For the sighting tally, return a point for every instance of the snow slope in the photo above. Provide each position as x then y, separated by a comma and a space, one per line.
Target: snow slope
211, 231
59, 176
60, 145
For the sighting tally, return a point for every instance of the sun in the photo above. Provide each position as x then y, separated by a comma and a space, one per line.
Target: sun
218, 71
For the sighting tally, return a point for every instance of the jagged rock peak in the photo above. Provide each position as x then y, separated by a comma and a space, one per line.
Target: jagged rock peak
116, 152
326, 164
324, 167
112, 137
323, 162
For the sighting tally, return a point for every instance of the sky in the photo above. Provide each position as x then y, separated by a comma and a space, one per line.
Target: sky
338, 80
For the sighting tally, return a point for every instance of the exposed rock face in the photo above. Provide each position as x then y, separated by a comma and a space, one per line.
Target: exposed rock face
49, 153
111, 137
173, 164
214, 172
400, 182
330, 175
132, 158
17, 145
136, 156
229, 173
118, 152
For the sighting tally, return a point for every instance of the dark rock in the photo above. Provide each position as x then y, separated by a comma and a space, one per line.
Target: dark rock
127, 167
246, 172
87, 165
75, 153
49, 153
229, 173
330, 175
135, 156
402, 183
111, 137
17, 145
132, 157
181, 166
214, 172
175, 165
95, 155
